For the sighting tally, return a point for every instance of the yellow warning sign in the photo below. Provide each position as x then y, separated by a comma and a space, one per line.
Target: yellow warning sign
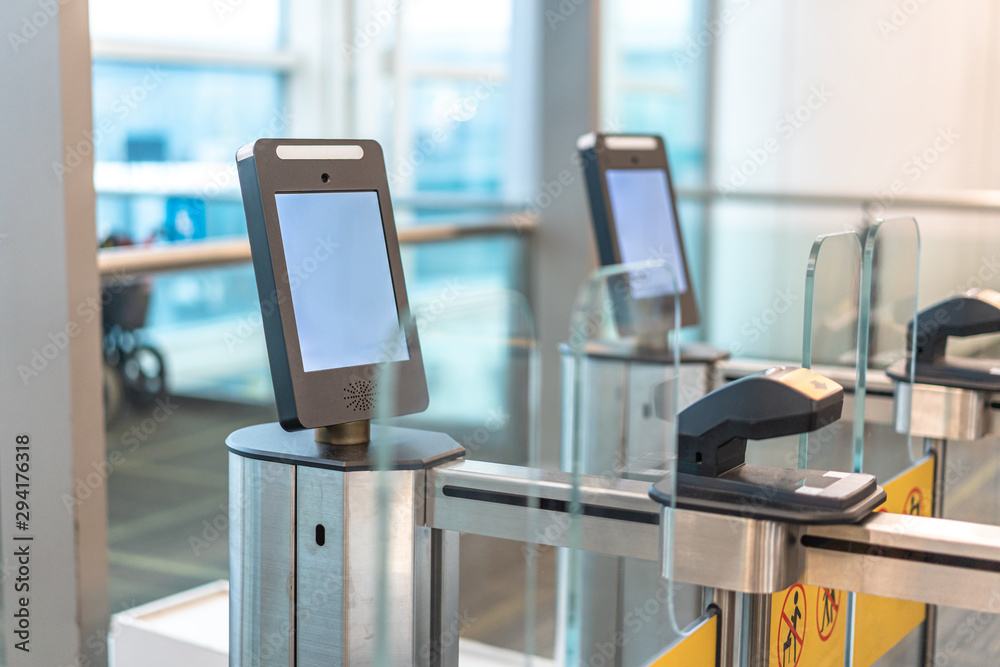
881, 623
792, 627
695, 650
807, 627
828, 601
817, 637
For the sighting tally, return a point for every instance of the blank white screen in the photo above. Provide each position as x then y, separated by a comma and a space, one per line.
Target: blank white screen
341, 285
644, 219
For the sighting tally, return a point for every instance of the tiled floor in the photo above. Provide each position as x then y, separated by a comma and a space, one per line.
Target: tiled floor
167, 499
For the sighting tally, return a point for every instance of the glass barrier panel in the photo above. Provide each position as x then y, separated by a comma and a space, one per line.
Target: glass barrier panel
860, 295
889, 301
621, 386
830, 339
880, 627
489, 588
807, 619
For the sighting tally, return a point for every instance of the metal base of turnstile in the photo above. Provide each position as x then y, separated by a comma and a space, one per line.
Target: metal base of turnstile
617, 601
305, 542
939, 414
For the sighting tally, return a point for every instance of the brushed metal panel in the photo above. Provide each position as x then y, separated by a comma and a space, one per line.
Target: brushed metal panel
603, 535
362, 552
236, 551
937, 561
339, 583
944, 537
976, 590
623, 494
319, 612
945, 413
261, 562
735, 553
732, 552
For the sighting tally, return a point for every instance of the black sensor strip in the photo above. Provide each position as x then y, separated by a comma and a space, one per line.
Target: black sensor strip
896, 553
551, 505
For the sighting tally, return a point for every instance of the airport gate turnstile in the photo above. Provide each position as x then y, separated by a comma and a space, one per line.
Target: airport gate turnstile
347, 554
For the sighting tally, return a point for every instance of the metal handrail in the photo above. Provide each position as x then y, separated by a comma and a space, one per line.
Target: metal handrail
144, 260
970, 200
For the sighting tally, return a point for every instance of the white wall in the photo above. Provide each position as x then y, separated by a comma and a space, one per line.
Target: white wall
887, 79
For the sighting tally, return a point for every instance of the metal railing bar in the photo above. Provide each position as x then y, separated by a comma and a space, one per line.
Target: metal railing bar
144, 260
975, 200
282, 61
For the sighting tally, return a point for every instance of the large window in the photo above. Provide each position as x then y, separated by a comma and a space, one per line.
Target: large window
655, 79
177, 88
435, 85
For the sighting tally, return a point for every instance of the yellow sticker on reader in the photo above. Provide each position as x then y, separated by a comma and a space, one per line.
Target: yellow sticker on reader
808, 382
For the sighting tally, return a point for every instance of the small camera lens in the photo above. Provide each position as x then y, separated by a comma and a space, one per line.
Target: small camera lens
325, 178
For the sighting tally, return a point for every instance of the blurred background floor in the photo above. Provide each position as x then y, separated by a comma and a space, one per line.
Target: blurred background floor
168, 497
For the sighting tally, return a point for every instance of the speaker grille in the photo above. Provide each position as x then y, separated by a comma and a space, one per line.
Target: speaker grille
360, 395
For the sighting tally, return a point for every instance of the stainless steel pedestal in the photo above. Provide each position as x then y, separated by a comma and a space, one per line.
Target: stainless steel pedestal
304, 551
939, 414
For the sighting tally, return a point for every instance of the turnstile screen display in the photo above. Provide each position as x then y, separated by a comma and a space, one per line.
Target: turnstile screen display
646, 228
338, 272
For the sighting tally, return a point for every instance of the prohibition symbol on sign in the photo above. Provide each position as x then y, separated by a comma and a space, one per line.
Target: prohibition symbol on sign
913, 502
792, 628
827, 610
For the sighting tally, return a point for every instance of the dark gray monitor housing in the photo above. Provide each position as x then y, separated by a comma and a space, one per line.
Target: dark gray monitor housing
330, 282
634, 213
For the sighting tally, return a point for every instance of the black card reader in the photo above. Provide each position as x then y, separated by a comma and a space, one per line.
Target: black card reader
970, 314
712, 474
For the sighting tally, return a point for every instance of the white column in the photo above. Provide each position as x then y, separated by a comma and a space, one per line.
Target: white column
50, 331
564, 251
